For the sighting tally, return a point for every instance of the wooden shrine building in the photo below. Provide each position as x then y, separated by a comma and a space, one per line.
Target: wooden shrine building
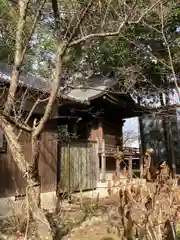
95, 113
79, 140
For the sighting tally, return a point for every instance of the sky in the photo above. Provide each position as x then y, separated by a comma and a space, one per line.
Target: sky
131, 132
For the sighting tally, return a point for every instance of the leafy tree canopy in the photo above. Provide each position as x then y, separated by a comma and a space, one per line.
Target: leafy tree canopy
138, 56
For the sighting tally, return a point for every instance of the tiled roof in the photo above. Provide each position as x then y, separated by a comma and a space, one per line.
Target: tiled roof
94, 86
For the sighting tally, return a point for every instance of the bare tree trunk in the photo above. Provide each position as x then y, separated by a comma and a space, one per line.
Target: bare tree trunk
33, 171
23, 4
32, 178
14, 145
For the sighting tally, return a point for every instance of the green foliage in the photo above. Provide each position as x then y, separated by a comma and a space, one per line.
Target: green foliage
8, 20
138, 56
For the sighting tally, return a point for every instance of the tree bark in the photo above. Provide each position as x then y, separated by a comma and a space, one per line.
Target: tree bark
14, 145
43, 227
33, 171
23, 5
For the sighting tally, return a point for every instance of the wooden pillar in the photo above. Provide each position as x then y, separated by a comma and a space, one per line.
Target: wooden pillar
173, 160
97, 160
121, 143
130, 167
100, 133
166, 130
170, 140
103, 162
142, 145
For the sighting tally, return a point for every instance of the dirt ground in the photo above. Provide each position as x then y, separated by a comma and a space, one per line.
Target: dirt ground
88, 220
91, 219
94, 232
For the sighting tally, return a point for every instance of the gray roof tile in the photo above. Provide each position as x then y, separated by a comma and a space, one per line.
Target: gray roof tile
93, 87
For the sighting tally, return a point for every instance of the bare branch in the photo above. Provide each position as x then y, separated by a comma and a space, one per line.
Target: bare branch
148, 53
19, 125
107, 34
38, 13
61, 50
23, 5
56, 15
116, 33
169, 53
82, 16
31, 113
148, 10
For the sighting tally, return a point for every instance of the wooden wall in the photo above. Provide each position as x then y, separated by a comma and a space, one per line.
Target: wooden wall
111, 133
48, 161
11, 180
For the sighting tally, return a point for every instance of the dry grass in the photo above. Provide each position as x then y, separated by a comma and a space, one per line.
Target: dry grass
148, 214
17, 221
134, 212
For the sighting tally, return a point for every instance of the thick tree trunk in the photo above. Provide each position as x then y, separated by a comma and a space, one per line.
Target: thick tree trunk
43, 227
14, 145
33, 171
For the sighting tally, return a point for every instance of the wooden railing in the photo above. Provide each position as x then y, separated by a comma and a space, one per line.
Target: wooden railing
132, 150
112, 149
130, 154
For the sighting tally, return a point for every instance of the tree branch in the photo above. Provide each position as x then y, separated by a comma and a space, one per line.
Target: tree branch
116, 33
82, 16
150, 54
14, 122
107, 34
23, 6
169, 53
31, 112
61, 50
13, 144
148, 10
38, 13
56, 16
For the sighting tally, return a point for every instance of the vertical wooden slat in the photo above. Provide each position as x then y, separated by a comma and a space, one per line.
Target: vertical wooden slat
83, 172
48, 161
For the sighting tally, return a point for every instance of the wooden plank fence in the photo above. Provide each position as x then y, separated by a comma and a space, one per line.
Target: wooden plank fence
78, 166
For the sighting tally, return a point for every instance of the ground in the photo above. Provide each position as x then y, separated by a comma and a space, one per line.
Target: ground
101, 219
84, 220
